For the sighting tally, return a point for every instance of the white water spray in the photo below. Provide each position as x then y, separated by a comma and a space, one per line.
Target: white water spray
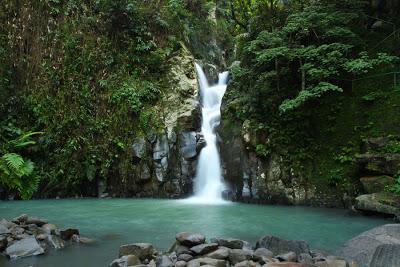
208, 182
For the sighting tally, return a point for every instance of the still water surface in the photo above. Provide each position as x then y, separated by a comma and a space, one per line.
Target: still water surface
117, 221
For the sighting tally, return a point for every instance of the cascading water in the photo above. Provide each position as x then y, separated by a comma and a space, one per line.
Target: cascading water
208, 182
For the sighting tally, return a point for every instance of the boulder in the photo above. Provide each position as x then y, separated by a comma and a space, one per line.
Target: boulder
290, 256
180, 264
280, 246
3, 242
188, 143
285, 264
305, 258
383, 203
229, 242
4, 230
125, 261
190, 239
221, 253
204, 248
238, 255
68, 233
21, 219
362, 248
375, 184
139, 149
245, 264
186, 257
24, 248
206, 261
55, 242
164, 261
33, 220
49, 228
141, 250
262, 254
387, 163
387, 255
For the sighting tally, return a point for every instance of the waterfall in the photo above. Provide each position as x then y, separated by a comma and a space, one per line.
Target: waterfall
208, 185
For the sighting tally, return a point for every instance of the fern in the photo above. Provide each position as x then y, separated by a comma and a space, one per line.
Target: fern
14, 162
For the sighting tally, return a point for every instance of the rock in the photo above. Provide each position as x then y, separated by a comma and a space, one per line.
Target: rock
245, 264
49, 228
68, 233
206, 261
238, 255
41, 237
387, 255
221, 253
141, 250
384, 203
3, 242
290, 256
24, 248
262, 254
55, 242
190, 239
332, 262
164, 261
7, 224
21, 219
185, 257
204, 248
285, 264
39, 222
125, 261
280, 246
180, 249
188, 145
139, 148
362, 248
82, 240
17, 230
4, 230
305, 258
380, 163
375, 184
180, 264
229, 242
160, 148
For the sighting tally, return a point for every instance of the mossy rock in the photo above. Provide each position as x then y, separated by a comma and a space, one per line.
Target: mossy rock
382, 203
375, 184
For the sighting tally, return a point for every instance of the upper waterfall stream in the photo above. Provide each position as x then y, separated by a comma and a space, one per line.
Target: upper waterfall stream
208, 185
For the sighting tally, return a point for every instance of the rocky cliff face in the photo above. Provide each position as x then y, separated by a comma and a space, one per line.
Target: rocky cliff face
164, 163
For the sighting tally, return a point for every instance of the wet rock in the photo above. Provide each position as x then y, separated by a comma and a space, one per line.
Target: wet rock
238, 255
141, 250
139, 149
305, 258
3, 242
68, 233
221, 253
362, 248
125, 261
262, 254
190, 239
160, 148
55, 242
164, 261
180, 264
33, 220
24, 248
290, 256
4, 230
186, 257
387, 255
82, 240
280, 246
49, 228
188, 145
384, 203
204, 248
229, 242
21, 219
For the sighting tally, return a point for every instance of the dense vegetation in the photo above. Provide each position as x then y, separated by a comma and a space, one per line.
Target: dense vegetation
87, 74
314, 79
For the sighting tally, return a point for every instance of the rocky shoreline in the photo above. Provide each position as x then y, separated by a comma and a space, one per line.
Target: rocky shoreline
192, 250
26, 236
